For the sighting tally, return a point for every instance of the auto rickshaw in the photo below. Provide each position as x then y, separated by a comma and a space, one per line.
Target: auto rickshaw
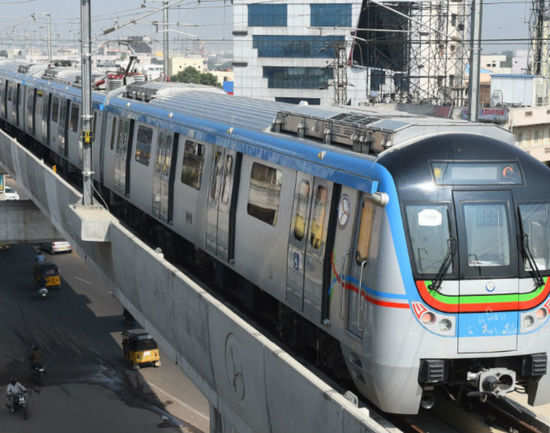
140, 349
46, 275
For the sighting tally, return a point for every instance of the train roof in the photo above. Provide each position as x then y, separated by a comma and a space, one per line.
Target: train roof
363, 129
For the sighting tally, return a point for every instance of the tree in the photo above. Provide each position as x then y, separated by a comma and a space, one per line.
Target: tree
192, 75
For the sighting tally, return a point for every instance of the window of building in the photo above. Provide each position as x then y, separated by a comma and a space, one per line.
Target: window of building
302, 205
74, 117
265, 193
331, 15
267, 15
365, 230
143, 144
453, 20
193, 160
319, 212
55, 109
279, 77
318, 47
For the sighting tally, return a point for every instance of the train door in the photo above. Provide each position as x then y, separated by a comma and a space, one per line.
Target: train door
358, 261
18, 99
123, 149
222, 203
62, 128
306, 252
46, 103
488, 261
163, 176
297, 241
29, 108
74, 141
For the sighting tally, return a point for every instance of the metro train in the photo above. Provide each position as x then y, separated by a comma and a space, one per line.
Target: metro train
421, 246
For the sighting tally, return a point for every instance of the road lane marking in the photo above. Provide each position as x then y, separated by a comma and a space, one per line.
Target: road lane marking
83, 280
180, 402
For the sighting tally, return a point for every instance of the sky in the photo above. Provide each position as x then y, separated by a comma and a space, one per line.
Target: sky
209, 20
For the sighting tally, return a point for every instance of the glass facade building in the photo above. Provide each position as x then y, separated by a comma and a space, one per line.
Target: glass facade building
287, 51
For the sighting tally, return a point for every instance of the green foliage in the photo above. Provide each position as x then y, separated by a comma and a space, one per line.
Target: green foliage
192, 75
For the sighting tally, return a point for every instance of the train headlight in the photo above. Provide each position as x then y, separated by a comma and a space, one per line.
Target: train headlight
428, 317
445, 325
541, 314
528, 321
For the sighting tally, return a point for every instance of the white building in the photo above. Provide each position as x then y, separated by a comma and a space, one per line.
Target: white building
531, 126
519, 89
286, 51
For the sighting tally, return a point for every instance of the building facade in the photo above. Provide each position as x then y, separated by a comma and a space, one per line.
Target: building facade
531, 127
296, 51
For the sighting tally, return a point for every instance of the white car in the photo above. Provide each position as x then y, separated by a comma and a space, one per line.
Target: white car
56, 247
10, 193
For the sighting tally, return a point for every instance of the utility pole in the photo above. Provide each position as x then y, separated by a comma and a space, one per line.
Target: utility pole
165, 40
86, 109
475, 60
50, 53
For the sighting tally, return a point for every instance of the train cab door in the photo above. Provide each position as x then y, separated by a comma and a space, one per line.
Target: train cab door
306, 257
163, 176
222, 201
487, 245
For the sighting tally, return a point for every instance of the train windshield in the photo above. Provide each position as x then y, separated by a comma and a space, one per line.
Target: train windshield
429, 234
535, 221
487, 236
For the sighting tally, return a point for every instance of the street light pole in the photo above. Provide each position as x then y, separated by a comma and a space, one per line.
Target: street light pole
86, 109
50, 53
475, 60
165, 40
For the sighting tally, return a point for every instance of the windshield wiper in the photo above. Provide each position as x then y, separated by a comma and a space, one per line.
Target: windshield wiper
436, 282
535, 272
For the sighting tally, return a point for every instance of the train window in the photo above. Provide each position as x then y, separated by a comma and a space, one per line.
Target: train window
55, 109
318, 217
302, 202
535, 222
74, 117
265, 193
113, 133
365, 231
487, 236
143, 144
228, 179
193, 160
429, 234
217, 176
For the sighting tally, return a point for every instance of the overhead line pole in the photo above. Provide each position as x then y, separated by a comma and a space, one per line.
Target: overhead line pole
475, 60
86, 109
165, 40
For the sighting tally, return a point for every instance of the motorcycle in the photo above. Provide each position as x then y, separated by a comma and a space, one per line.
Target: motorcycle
19, 402
38, 372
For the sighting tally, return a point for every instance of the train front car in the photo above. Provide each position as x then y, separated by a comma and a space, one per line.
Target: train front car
475, 213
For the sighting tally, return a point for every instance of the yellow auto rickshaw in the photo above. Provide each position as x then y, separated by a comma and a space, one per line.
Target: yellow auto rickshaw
46, 275
140, 349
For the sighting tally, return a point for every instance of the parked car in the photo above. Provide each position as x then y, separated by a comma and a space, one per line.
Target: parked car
56, 247
10, 193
